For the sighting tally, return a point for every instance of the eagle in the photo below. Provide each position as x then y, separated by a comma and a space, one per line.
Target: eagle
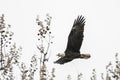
74, 43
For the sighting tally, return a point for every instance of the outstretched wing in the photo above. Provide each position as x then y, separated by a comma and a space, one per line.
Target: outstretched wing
75, 37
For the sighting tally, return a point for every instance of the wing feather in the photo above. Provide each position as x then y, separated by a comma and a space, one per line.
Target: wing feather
75, 37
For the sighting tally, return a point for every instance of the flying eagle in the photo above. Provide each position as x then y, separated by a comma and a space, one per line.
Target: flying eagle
75, 39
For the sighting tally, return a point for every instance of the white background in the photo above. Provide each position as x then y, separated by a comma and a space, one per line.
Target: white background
101, 38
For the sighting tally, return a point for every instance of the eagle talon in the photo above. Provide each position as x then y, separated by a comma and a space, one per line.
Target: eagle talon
85, 56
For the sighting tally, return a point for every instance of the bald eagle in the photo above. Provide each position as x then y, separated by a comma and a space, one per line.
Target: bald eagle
75, 40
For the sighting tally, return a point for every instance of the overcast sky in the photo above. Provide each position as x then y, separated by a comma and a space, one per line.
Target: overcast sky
101, 36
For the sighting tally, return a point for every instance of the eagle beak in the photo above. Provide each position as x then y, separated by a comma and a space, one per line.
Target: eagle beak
85, 56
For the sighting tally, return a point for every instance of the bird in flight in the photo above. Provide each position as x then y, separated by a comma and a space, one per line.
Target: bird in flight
75, 40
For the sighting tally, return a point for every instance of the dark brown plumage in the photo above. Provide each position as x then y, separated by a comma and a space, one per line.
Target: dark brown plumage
75, 39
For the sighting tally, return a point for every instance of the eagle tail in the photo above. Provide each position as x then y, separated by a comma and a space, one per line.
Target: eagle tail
63, 60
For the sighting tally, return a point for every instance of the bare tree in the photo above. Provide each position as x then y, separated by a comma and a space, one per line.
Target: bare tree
79, 77
9, 53
93, 75
69, 77
44, 39
113, 69
33, 67
52, 74
24, 71
28, 73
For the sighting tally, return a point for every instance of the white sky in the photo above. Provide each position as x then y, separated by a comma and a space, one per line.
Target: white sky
101, 30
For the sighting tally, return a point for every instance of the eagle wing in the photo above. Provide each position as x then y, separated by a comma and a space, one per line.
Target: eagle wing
75, 37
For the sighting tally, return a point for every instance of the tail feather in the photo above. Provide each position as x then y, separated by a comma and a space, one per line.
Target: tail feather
63, 60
